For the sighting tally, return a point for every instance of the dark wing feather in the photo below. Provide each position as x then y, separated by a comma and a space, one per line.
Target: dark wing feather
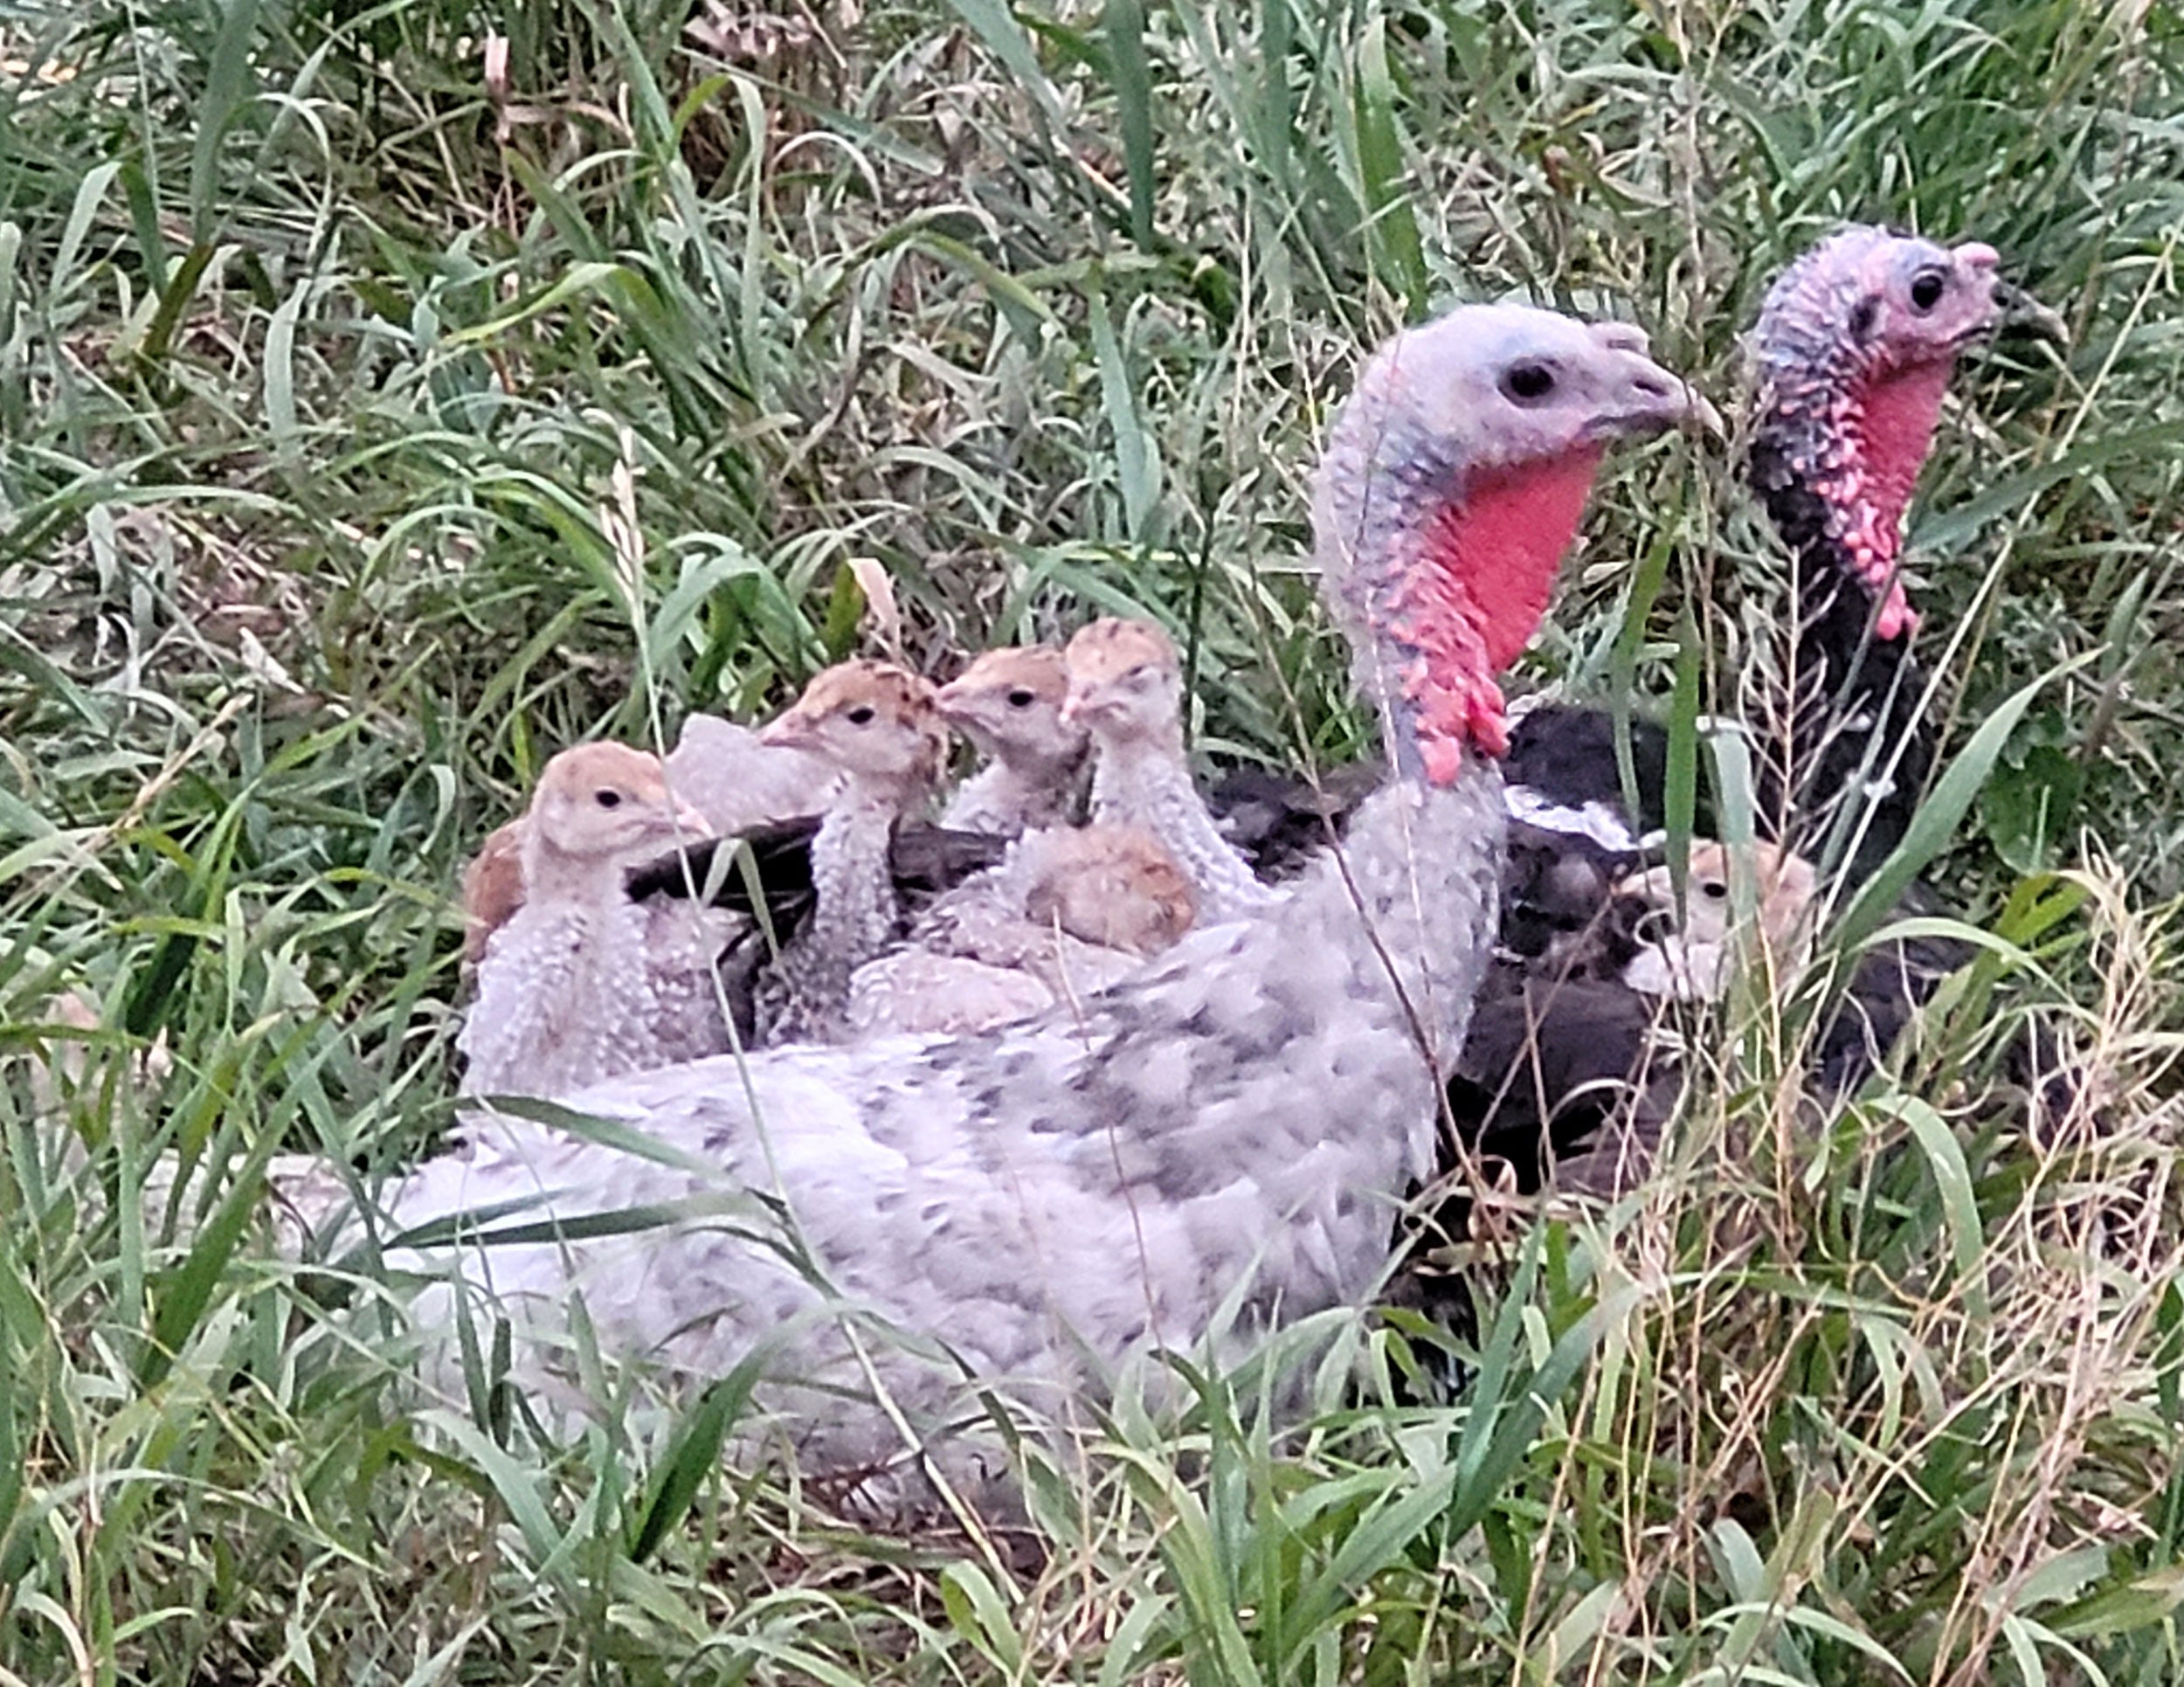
776, 863
1280, 822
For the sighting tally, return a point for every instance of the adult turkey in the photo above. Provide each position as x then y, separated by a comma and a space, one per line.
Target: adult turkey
1213, 1148
1854, 347
1855, 344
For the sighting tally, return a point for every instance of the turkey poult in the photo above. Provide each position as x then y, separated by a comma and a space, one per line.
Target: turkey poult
720, 770
1126, 686
1566, 1074
1690, 955
580, 982
1008, 703
877, 726
1573, 1065
1115, 886
1212, 1149
1069, 911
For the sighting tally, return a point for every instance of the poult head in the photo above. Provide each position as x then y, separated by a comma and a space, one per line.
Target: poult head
1125, 681
1008, 702
604, 802
875, 722
1689, 957
1111, 884
1452, 485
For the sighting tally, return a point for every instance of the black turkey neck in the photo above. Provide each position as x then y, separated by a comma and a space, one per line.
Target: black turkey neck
1857, 694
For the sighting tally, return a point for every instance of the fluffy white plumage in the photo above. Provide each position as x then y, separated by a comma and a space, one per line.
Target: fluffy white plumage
1231, 1128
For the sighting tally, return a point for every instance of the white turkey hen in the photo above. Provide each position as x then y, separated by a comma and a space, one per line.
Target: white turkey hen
1008, 703
1215, 1147
579, 983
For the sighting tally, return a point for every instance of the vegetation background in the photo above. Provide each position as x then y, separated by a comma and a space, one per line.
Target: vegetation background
379, 417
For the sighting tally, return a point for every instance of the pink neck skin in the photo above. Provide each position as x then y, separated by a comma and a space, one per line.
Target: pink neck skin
1472, 598
1892, 420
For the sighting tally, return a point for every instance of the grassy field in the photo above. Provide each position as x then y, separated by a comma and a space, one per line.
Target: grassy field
374, 421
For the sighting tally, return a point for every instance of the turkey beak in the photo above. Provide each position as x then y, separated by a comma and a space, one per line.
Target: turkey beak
790, 731
2018, 312
1650, 400
952, 702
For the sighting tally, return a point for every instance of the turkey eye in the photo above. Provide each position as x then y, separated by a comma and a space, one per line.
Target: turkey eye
861, 715
1714, 889
1021, 698
1925, 290
607, 798
1528, 382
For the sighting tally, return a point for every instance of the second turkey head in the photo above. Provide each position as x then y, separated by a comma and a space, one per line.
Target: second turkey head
1110, 884
1855, 348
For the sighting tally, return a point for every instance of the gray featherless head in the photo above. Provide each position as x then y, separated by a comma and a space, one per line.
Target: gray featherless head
1865, 302
1451, 486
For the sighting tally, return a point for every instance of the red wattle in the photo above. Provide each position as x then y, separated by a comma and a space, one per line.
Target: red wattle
1891, 422
1897, 417
1469, 604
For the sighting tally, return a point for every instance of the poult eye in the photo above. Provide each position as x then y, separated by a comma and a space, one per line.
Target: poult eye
861, 715
1927, 289
1528, 382
607, 798
1713, 889
1022, 697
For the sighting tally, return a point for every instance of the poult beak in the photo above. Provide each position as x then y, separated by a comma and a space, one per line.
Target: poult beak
788, 731
1075, 702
